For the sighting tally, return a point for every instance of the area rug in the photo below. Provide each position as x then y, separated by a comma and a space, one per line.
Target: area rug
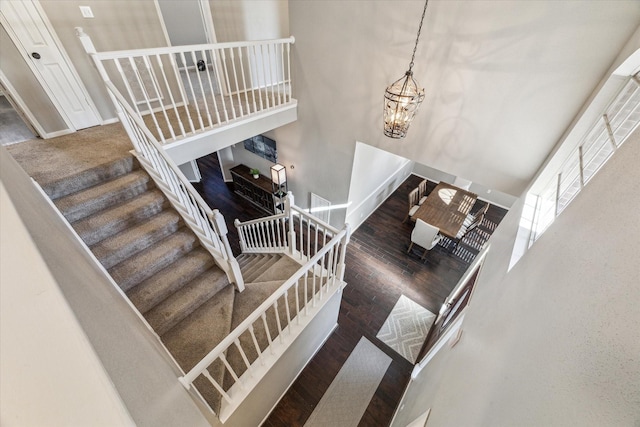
406, 328
351, 391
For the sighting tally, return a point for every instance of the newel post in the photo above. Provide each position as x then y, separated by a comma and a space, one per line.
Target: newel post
235, 275
288, 203
343, 251
90, 49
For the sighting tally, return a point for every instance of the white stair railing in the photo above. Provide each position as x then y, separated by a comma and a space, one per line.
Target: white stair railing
181, 91
208, 225
279, 320
295, 231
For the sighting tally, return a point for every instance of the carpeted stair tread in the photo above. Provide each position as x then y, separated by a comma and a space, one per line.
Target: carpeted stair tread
248, 300
258, 266
90, 177
244, 259
179, 305
156, 288
130, 241
146, 263
87, 202
111, 221
282, 269
193, 338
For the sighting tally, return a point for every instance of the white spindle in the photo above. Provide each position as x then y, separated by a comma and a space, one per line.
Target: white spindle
297, 290
289, 71
257, 76
183, 95
278, 323
218, 67
281, 74
264, 76
271, 80
266, 328
243, 355
212, 91
227, 365
156, 89
226, 79
160, 66
203, 97
287, 309
255, 344
193, 95
235, 80
216, 386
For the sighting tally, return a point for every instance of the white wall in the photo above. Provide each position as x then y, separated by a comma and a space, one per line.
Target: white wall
250, 19
138, 367
374, 176
50, 374
486, 102
116, 25
554, 341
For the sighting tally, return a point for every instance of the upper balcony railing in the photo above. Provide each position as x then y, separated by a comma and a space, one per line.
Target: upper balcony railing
182, 91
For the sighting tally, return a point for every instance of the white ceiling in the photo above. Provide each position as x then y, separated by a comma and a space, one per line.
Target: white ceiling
503, 79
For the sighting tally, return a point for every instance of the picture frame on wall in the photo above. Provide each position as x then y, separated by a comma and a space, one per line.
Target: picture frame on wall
262, 146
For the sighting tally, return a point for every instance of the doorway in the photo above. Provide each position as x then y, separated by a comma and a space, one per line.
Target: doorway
32, 35
14, 127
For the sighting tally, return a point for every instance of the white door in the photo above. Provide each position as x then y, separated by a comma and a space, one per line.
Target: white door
29, 32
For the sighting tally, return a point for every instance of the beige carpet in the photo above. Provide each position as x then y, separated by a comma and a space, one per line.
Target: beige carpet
49, 160
351, 391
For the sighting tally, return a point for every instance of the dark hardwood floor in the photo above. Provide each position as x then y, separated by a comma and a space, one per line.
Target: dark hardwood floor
378, 272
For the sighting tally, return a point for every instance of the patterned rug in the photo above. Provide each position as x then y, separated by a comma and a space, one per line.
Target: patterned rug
351, 390
406, 328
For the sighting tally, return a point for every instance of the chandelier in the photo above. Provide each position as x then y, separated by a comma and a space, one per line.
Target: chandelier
403, 97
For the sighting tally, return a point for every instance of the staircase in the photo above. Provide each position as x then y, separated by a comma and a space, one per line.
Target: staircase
160, 265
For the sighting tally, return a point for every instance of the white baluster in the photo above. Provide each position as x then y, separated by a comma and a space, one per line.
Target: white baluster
231, 371
183, 95
275, 308
208, 72
256, 345
226, 79
235, 79
287, 309
193, 95
216, 386
255, 63
266, 328
244, 356
194, 59
160, 65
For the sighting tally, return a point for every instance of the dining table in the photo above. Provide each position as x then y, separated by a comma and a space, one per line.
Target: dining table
446, 208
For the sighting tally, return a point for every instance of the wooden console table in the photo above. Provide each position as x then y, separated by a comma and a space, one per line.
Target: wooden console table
258, 191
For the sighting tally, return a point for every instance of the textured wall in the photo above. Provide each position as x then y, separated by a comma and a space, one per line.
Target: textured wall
554, 341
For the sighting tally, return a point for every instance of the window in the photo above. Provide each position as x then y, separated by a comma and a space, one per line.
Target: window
617, 122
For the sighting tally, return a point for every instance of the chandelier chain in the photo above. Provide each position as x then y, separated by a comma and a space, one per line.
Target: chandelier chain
413, 55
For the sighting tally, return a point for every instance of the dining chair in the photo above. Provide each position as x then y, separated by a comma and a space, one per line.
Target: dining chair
422, 191
466, 229
472, 217
424, 235
413, 204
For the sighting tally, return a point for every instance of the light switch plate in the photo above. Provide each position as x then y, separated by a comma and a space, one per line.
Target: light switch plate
86, 11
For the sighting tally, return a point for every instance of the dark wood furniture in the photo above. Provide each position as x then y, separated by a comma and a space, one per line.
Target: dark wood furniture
446, 208
258, 191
